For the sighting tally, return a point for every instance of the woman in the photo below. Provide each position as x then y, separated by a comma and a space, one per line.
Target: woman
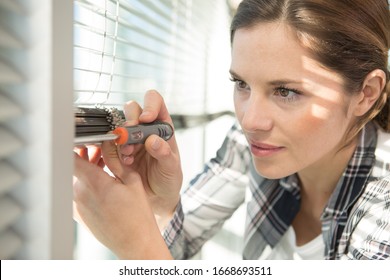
311, 103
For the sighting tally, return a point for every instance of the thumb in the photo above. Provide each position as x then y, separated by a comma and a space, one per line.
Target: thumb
161, 151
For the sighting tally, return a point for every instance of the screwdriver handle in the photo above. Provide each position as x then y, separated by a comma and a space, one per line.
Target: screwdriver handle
137, 134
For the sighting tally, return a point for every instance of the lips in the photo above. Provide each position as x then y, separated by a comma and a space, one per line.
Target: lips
264, 149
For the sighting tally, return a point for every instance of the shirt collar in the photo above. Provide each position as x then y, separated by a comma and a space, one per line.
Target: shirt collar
356, 174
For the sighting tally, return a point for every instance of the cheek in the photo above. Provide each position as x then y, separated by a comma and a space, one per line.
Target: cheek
239, 107
319, 112
318, 128
312, 120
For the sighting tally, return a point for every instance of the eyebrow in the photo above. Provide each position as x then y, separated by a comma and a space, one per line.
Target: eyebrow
283, 82
272, 83
234, 74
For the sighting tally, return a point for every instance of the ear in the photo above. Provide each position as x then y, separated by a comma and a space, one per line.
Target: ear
373, 86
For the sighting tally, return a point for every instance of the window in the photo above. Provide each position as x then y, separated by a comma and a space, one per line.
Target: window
179, 47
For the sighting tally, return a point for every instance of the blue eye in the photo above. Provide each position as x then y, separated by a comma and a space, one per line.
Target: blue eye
286, 94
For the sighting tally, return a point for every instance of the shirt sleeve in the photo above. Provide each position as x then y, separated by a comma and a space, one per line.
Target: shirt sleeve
371, 236
211, 198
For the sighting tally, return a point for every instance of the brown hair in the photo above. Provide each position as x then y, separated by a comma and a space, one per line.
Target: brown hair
350, 37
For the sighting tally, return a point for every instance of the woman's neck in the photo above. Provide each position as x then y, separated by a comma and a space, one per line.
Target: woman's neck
319, 180
317, 185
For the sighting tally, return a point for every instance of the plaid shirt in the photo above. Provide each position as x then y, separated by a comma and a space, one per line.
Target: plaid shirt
355, 222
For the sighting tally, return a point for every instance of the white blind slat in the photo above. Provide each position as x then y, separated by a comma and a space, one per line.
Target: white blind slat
8, 40
8, 109
10, 211
159, 34
10, 243
12, 5
9, 75
9, 143
112, 17
10, 177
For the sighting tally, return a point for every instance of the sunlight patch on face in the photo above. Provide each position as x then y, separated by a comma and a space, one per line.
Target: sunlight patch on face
320, 112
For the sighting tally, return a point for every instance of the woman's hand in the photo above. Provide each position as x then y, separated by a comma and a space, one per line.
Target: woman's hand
157, 161
116, 210
121, 209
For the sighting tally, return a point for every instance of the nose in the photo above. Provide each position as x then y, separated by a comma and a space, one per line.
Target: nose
257, 114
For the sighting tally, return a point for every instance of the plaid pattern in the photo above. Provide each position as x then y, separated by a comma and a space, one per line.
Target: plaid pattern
355, 222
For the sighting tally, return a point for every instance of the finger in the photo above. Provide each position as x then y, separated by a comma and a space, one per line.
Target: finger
154, 108
77, 215
126, 154
127, 160
82, 151
126, 150
101, 163
94, 154
161, 151
86, 171
132, 110
112, 161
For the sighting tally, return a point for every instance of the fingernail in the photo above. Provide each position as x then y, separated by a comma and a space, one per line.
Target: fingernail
128, 160
156, 144
131, 123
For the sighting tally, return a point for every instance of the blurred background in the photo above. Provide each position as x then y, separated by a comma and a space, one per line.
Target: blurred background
57, 55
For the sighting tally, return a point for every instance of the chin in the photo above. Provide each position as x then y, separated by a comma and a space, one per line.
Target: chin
272, 171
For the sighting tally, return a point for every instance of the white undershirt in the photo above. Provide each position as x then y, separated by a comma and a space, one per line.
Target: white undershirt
287, 249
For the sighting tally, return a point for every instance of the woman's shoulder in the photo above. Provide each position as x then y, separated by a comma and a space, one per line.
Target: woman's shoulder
382, 155
380, 186
377, 189
379, 182
375, 197
367, 231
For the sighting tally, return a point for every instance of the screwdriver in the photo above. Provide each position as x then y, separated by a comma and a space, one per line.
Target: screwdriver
136, 134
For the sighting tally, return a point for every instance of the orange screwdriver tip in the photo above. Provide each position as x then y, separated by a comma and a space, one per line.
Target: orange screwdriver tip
123, 135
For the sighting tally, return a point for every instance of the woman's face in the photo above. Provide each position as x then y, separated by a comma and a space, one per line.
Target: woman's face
293, 111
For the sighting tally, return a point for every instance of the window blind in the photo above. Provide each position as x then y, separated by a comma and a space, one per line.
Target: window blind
36, 129
10, 177
179, 47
